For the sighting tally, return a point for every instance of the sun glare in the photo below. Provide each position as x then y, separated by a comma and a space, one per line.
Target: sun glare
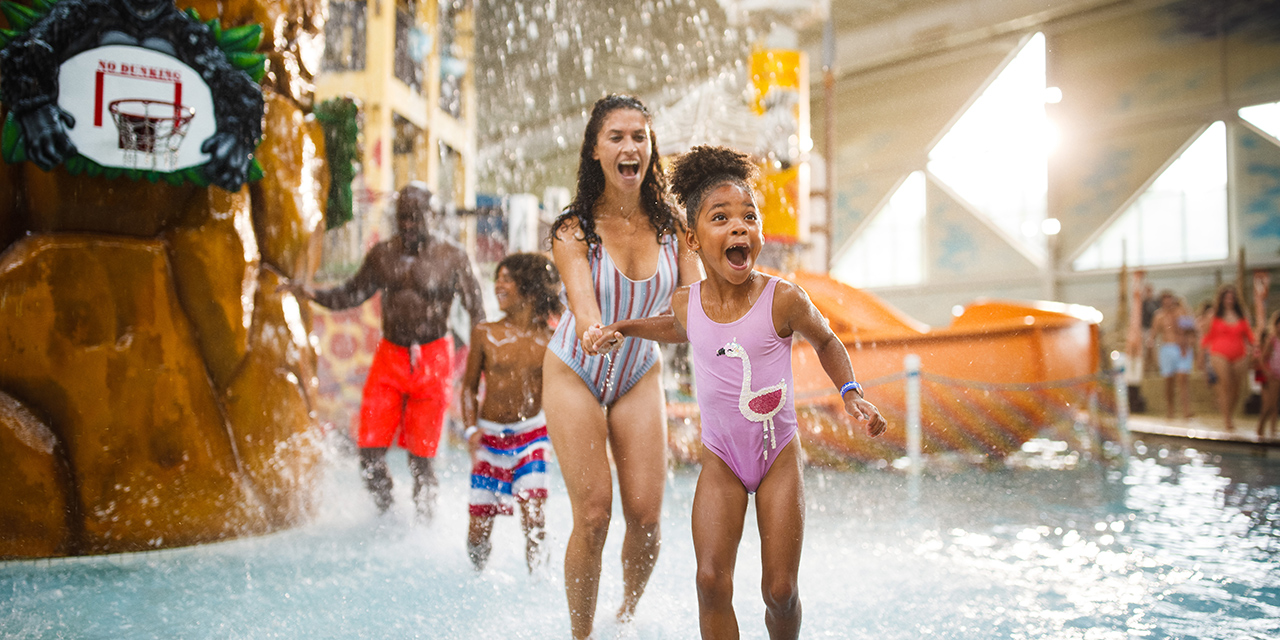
996, 155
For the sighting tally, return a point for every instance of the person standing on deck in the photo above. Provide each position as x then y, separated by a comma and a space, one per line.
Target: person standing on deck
1174, 331
1230, 343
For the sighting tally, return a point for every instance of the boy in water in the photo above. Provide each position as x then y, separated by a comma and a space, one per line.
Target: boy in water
507, 433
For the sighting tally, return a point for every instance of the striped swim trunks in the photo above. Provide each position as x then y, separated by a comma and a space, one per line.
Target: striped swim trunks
510, 466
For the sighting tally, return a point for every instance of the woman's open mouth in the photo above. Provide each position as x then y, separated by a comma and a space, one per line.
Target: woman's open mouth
629, 168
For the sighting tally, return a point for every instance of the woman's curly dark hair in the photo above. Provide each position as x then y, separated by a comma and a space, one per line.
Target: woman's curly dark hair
536, 279
703, 168
653, 190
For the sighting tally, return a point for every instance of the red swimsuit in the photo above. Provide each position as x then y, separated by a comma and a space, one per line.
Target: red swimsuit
1228, 340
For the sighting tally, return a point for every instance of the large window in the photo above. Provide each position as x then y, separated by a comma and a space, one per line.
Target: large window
452, 64
344, 36
995, 157
1181, 217
889, 252
408, 62
1265, 117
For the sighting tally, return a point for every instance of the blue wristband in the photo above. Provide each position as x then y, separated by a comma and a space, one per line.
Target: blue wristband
852, 385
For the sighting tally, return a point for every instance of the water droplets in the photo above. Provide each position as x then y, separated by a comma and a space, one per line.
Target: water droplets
552, 59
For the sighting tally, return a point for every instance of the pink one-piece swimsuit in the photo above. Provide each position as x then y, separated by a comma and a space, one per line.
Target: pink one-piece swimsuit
742, 370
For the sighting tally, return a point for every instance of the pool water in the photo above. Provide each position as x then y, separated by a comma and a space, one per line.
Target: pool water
1177, 543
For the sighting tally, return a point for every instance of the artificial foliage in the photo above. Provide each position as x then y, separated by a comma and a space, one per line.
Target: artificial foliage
340, 118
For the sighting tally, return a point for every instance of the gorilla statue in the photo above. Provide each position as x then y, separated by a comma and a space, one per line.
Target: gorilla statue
29, 77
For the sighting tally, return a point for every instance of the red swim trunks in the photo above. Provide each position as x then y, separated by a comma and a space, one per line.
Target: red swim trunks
409, 392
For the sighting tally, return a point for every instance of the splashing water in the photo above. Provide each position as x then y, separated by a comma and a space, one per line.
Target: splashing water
1181, 543
540, 66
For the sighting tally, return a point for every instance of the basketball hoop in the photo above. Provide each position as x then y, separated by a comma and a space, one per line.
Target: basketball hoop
150, 130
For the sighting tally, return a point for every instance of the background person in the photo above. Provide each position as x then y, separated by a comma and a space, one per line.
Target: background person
1229, 342
419, 273
620, 250
1269, 359
1174, 331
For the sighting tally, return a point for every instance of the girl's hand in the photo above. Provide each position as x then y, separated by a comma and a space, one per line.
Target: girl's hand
592, 337
609, 340
865, 412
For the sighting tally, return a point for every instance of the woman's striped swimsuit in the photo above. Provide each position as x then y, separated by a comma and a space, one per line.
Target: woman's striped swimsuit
609, 377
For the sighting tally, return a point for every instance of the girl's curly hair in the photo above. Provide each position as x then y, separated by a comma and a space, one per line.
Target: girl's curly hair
703, 168
653, 189
536, 279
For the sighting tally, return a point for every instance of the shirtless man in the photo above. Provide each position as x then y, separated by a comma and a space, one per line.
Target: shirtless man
419, 274
1174, 331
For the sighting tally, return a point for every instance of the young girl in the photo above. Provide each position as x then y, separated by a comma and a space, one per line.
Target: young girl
1269, 359
508, 435
739, 324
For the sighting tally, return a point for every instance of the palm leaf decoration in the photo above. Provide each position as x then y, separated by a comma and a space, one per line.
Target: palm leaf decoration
240, 44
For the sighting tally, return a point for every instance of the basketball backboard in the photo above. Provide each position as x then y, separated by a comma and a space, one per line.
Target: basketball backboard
142, 83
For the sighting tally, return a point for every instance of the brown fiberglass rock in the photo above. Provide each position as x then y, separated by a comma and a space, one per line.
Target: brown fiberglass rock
269, 407
34, 511
58, 202
287, 207
141, 335
109, 358
215, 259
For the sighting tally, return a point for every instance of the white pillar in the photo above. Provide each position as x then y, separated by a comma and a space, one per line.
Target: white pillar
912, 364
1119, 362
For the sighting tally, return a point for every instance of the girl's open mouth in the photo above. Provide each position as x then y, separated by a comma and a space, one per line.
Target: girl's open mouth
737, 256
629, 168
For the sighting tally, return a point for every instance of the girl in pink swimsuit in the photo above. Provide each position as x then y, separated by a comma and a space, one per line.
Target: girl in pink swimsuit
739, 324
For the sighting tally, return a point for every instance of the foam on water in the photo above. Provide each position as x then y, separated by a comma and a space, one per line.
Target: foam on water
1180, 543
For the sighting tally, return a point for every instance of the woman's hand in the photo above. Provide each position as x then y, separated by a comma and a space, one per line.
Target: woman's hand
609, 340
596, 341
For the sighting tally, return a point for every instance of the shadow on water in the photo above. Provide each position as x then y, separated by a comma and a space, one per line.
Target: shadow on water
1178, 543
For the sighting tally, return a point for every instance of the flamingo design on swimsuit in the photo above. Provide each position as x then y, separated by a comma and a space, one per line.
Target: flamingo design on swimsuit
761, 405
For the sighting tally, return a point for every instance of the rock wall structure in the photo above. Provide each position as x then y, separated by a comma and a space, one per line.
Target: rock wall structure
155, 388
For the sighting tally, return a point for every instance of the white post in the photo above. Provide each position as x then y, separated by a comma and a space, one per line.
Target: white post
1119, 362
522, 222
912, 364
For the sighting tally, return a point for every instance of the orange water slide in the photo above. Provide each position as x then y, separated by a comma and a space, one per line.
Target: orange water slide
1001, 372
